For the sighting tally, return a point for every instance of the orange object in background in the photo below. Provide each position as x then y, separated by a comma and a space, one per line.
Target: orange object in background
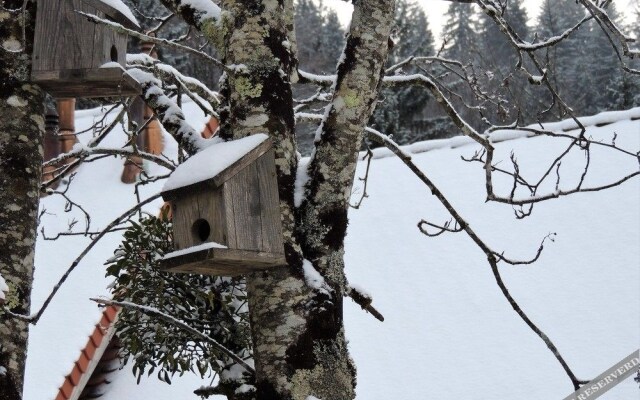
67, 132
210, 128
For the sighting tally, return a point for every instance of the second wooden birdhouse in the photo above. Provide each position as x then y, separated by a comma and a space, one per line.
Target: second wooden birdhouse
226, 211
74, 57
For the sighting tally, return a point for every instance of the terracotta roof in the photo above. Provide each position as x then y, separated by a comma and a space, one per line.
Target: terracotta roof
98, 358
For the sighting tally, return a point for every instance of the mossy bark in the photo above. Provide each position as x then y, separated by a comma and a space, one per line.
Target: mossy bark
21, 135
300, 348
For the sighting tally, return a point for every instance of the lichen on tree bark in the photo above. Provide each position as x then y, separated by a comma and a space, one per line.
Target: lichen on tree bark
300, 348
21, 133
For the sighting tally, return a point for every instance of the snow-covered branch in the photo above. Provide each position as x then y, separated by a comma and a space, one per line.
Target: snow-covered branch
204, 15
81, 153
168, 112
191, 86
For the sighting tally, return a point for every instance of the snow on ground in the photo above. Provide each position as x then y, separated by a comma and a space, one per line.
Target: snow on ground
448, 332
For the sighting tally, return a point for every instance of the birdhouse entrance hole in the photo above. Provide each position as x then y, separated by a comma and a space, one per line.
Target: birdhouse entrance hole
114, 54
201, 230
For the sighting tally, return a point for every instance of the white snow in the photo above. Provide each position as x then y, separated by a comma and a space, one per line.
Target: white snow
244, 388
124, 10
447, 328
312, 276
112, 64
206, 8
364, 292
4, 289
211, 161
194, 249
302, 176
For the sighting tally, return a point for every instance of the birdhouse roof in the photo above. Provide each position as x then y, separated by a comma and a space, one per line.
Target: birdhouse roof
116, 10
214, 165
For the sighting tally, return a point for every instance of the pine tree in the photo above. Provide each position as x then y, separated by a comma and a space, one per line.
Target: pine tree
398, 108
498, 59
604, 81
497, 53
631, 83
309, 29
320, 39
331, 42
460, 32
565, 60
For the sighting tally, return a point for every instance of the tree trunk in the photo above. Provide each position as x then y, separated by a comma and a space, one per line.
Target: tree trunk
299, 346
298, 333
21, 136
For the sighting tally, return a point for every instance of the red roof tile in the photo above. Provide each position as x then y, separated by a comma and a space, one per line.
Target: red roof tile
81, 367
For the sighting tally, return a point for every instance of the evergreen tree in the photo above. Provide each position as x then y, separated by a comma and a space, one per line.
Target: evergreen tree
460, 32
414, 38
320, 40
332, 41
585, 66
498, 59
630, 93
604, 81
497, 53
309, 35
637, 20
565, 60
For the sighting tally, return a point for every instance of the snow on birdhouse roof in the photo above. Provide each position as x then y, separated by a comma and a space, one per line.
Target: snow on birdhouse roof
117, 10
214, 165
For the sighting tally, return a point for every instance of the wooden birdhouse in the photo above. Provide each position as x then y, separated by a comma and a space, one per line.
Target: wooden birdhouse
226, 211
74, 57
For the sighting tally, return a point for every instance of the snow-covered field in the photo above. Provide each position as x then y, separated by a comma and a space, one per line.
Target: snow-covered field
448, 333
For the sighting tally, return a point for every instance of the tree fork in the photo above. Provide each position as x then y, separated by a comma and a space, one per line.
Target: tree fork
21, 152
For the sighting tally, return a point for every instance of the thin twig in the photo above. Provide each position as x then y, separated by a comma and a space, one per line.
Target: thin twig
153, 312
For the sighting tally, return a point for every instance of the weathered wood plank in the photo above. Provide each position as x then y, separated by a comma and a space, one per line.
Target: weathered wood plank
49, 34
210, 205
185, 213
63, 38
100, 82
228, 212
270, 204
223, 262
107, 42
244, 188
79, 36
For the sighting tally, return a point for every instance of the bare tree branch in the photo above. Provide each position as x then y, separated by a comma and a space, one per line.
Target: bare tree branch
153, 312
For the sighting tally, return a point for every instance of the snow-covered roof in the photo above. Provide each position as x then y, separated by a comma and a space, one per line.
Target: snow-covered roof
117, 10
214, 164
445, 320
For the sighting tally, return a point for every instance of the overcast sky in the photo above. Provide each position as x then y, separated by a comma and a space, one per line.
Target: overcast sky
435, 10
